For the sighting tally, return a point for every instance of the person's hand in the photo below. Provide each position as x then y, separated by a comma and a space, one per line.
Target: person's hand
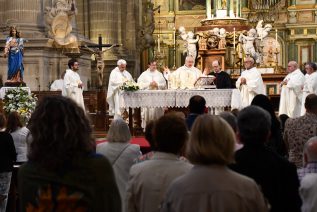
5, 55
206, 71
243, 80
284, 82
153, 84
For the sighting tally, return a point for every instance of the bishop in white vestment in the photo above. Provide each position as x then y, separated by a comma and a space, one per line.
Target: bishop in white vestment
117, 77
250, 83
73, 85
151, 79
310, 84
184, 77
291, 91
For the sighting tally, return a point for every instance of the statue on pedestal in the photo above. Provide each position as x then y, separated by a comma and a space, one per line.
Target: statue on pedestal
14, 51
59, 25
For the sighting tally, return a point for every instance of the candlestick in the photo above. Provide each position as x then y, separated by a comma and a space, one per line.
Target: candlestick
234, 38
174, 37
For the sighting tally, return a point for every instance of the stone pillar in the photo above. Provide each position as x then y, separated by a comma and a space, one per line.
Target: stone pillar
2, 20
208, 9
82, 18
27, 14
291, 51
105, 19
171, 5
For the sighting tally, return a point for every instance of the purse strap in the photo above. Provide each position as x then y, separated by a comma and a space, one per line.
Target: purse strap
120, 153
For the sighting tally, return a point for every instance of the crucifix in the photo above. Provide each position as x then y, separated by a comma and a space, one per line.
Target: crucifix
101, 93
98, 53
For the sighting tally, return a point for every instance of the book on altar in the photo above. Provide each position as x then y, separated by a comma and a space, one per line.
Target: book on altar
205, 82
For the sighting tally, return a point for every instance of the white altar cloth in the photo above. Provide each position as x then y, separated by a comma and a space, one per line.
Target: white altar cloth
215, 98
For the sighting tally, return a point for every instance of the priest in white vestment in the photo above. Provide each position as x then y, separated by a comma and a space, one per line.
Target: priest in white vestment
151, 79
250, 83
118, 76
184, 77
72, 83
291, 91
310, 84
58, 85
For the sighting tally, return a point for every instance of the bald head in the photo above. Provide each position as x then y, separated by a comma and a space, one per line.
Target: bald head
189, 61
216, 66
292, 66
248, 62
311, 103
310, 150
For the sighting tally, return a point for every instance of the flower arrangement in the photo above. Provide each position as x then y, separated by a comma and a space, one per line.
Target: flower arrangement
19, 100
129, 86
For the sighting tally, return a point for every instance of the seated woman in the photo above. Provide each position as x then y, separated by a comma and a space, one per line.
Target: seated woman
19, 134
120, 153
63, 172
210, 185
7, 158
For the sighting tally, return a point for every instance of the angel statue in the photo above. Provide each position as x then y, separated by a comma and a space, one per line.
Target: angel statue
59, 24
98, 56
248, 44
191, 41
262, 32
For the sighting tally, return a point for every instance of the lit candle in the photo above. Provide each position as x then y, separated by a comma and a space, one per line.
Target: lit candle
158, 44
234, 38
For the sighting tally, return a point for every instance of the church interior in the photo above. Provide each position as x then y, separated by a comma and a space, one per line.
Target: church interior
81, 45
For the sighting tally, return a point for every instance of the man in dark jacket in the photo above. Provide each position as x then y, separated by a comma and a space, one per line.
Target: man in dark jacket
276, 176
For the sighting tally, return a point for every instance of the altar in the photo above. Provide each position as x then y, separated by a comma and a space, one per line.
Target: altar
216, 99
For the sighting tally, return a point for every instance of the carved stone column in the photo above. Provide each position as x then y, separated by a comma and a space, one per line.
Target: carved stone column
105, 19
27, 14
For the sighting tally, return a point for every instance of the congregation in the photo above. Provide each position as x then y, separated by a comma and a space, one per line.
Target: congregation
244, 160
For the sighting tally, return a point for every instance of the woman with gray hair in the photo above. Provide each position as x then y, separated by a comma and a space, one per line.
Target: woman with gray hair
210, 185
120, 153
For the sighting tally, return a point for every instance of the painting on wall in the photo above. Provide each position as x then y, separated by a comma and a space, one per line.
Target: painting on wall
272, 89
184, 5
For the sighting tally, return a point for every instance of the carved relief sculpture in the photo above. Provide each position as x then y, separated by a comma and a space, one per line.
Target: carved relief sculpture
59, 25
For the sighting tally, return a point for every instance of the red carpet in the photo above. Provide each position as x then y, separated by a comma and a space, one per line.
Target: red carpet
141, 141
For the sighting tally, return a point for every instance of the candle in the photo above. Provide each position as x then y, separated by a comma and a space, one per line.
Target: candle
234, 38
158, 44
174, 37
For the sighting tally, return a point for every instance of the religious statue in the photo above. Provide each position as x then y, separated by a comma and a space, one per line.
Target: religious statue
14, 51
146, 32
190, 42
98, 54
248, 44
263, 31
59, 25
270, 54
223, 4
222, 37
